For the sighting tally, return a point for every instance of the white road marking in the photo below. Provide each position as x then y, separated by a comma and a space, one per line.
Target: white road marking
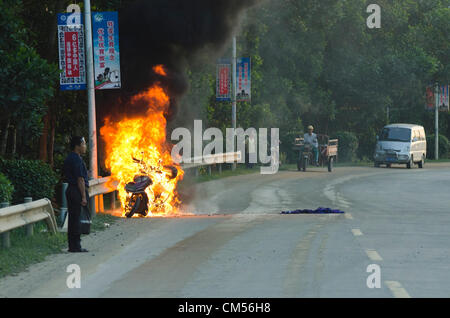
373, 255
397, 290
357, 232
335, 197
342, 201
348, 216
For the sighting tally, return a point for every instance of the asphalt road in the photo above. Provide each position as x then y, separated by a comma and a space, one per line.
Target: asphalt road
236, 244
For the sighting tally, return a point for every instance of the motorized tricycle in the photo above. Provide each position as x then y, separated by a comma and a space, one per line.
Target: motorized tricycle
327, 152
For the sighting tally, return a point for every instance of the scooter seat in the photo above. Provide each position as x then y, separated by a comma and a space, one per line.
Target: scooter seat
139, 184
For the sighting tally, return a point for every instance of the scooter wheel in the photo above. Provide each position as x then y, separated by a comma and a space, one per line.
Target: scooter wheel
135, 207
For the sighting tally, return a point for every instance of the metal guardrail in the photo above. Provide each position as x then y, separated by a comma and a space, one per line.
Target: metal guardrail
100, 186
105, 185
26, 214
228, 157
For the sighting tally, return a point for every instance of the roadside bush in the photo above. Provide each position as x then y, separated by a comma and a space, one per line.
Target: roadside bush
283, 158
347, 146
444, 146
31, 178
366, 143
6, 189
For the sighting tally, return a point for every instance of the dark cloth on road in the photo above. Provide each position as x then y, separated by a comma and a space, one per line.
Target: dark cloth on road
318, 210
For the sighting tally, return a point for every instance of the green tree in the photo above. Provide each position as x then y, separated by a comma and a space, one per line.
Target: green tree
26, 80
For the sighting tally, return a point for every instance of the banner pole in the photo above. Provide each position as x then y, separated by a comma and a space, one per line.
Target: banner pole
90, 90
436, 123
91, 100
233, 105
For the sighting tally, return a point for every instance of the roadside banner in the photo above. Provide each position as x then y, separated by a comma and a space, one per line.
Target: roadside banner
430, 98
443, 99
223, 80
105, 35
71, 53
243, 76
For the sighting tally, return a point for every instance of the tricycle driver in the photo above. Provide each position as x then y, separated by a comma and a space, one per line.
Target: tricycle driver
311, 138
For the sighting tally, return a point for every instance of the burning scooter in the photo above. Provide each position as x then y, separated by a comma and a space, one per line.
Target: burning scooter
138, 199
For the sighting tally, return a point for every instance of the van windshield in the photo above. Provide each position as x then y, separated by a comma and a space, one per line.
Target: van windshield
395, 134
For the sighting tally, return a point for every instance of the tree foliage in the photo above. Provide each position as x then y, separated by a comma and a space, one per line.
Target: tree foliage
317, 62
27, 81
313, 62
31, 178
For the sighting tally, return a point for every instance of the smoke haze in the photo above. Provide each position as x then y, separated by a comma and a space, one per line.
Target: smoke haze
172, 33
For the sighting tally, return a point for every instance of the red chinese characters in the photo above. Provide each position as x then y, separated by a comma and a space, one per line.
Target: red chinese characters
101, 45
71, 54
224, 85
111, 50
245, 74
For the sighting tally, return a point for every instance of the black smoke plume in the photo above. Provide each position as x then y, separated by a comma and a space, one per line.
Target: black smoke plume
168, 32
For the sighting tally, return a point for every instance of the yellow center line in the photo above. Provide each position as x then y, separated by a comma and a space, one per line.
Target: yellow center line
397, 290
373, 255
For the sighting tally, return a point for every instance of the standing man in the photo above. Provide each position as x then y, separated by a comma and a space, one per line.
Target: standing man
77, 196
311, 138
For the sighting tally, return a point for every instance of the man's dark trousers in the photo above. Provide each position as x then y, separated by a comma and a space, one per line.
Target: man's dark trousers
74, 206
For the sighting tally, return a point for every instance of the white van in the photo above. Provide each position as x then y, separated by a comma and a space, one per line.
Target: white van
401, 143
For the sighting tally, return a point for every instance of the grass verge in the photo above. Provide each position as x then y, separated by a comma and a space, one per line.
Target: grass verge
98, 223
25, 251
437, 161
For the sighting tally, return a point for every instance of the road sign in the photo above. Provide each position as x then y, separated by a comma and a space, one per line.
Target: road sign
71, 53
105, 32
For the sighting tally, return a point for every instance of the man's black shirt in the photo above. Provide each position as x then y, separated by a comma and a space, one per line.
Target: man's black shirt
74, 168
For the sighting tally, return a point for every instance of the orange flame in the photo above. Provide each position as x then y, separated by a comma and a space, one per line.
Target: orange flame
159, 69
143, 138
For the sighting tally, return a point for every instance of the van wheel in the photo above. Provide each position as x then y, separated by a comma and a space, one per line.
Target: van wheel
410, 164
421, 163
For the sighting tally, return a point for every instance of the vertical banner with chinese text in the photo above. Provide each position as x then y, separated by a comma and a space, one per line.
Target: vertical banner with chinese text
430, 98
243, 77
223, 80
71, 54
105, 35
443, 99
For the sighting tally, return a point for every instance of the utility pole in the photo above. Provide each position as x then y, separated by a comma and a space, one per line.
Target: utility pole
436, 122
233, 105
91, 99
90, 90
